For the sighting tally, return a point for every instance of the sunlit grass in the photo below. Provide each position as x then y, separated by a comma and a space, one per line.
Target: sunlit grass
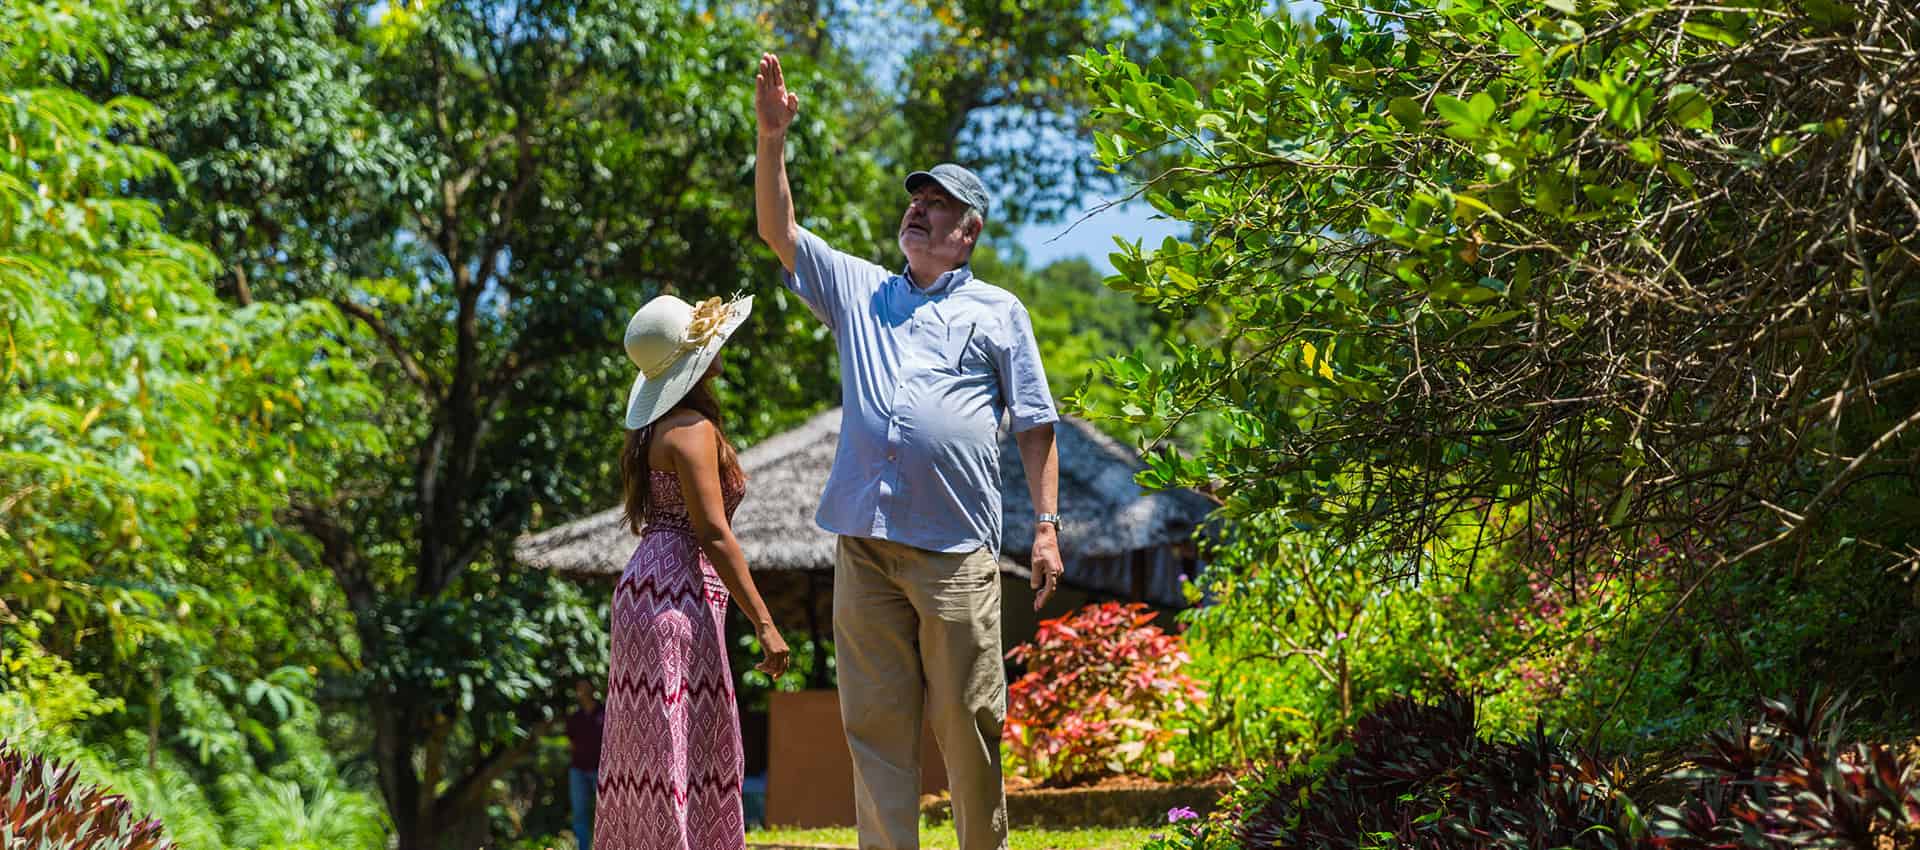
942, 838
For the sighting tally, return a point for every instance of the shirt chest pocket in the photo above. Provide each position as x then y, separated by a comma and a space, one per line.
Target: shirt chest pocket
964, 352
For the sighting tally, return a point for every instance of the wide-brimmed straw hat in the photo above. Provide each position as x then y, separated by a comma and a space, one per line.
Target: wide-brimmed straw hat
673, 343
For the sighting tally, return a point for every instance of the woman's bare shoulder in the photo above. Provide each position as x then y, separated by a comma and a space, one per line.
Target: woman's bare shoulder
685, 433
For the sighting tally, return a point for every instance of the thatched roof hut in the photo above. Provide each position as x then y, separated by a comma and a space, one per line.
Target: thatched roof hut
1108, 516
1119, 543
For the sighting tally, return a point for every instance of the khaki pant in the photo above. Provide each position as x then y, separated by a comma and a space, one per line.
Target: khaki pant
914, 628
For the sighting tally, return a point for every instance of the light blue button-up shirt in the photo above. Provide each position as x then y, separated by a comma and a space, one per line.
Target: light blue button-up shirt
925, 376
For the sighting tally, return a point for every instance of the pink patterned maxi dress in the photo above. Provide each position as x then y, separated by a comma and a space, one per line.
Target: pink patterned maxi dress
670, 767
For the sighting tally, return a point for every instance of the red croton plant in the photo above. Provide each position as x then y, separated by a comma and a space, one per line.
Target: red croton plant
1099, 681
45, 806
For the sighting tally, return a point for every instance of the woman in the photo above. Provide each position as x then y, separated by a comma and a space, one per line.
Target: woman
670, 762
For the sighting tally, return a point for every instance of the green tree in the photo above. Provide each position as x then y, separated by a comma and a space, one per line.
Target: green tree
487, 191
151, 431
1639, 269
1486, 251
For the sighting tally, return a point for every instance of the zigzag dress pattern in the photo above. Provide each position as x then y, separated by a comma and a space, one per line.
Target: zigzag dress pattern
671, 765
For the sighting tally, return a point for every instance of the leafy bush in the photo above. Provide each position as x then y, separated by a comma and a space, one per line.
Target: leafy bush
1418, 775
280, 814
1533, 253
1619, 266
1098, 682
1298, 639
47, 807
1787, 779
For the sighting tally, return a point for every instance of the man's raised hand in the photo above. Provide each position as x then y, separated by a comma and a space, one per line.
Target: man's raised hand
772, 103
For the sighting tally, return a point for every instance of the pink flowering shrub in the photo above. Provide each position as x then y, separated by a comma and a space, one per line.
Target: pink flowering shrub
1100, 683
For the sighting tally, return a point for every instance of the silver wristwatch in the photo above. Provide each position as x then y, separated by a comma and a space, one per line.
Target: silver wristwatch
1052, 518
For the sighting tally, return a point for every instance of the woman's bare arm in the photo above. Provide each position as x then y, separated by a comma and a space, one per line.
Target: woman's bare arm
693, 445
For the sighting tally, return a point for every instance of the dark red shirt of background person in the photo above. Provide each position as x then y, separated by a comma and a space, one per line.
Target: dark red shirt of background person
583, 733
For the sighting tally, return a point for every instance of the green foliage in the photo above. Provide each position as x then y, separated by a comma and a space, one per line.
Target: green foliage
810, 666
1298, 638
1546, 347
529, 635
151, 431
1483, 251
280, 814
292, 796
40, 690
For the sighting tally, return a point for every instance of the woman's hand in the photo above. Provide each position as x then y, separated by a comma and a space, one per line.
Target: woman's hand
775, 649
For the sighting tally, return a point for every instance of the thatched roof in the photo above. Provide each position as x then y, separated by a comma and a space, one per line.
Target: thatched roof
1107, 514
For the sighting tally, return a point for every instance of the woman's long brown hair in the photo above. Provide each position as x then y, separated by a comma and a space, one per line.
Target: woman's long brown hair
636, 474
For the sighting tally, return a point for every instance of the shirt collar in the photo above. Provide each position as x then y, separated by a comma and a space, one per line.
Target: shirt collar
942, 284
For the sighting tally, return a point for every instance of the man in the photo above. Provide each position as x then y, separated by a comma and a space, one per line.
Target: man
929, 360
584, 728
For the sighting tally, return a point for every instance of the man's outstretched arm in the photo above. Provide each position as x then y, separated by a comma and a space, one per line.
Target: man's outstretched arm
775, 107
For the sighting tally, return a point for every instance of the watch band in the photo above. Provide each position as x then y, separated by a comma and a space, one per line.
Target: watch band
1052, 518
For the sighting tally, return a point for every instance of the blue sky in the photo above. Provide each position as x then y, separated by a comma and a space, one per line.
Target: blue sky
1093, 238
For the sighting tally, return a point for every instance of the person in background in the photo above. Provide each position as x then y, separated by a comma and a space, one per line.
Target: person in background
583, 769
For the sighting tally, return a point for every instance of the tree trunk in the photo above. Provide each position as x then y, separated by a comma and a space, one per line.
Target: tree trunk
393, 750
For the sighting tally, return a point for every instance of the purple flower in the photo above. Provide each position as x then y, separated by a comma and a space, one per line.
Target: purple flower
1180, 813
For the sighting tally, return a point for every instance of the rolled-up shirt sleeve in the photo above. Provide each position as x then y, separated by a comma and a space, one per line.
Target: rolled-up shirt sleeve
827, 279
1023, 378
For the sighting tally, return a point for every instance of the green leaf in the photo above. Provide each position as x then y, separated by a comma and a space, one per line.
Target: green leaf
1483, 108
1407, 111
1829, 12
1497, 318
1699, 29
1461, 118
1617, 516
1689, 108
1602, 91
1521, 283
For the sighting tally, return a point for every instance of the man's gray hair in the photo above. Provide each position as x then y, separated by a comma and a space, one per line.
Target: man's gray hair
973, 216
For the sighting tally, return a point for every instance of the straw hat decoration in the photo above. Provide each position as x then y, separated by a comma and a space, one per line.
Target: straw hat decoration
673, 342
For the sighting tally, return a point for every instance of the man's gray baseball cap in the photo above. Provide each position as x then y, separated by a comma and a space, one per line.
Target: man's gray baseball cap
962, 184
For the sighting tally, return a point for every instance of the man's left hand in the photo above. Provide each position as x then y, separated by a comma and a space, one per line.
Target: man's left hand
1046, 563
